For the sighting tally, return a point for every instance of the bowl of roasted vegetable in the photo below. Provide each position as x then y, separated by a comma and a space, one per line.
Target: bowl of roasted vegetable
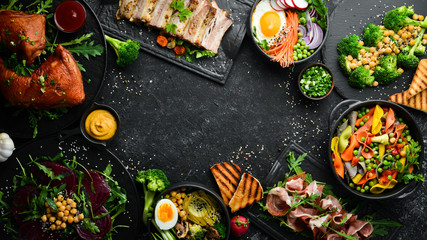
189, 210
375, 149
289, 31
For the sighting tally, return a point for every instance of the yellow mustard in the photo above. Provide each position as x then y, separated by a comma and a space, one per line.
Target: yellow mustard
101, 124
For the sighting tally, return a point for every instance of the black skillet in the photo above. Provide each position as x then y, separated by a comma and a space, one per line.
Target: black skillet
90, 156
401, 190
17, 125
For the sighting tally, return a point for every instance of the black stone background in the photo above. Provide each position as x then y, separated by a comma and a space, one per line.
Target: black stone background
183, 123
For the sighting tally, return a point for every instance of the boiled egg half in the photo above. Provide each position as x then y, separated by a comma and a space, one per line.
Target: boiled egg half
268, 22
165, 214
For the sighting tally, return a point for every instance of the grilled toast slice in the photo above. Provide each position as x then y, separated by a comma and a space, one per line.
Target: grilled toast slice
419, 82
248, 191
227, 176
419, 101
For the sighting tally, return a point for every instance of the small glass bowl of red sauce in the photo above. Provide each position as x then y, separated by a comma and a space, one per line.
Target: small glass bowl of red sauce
70, 16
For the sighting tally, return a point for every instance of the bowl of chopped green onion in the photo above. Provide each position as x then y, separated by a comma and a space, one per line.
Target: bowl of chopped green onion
316, 81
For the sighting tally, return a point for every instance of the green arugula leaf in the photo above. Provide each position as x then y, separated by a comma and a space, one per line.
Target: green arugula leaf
80, 66
294, 165
10, 6
322, 10
87, 49
171, 27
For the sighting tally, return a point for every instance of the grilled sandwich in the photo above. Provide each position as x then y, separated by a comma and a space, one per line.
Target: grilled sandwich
227, 176
248, 191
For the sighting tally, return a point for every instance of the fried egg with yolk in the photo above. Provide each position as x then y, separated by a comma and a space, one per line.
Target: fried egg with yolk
165, 214
268, 22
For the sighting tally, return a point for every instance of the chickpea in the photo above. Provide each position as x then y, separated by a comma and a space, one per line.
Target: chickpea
69, 200
372, 64
368, 55
388, 50
68, 207
70, 220
76, 219
354, 61
180, 201
58, 222
381, 51
73, 204
182, 214
64, 203
52, 219
385, 33
366, 66
52, 227
183, 194
362, 51
173, 200
376, 54
353, 65
61, 209
73, 211
400, 32
65, 218
415, 16
380, 44
375, 84
359, 63
66, 212
396, 37
176, 204
400, 70
420, 17
81, 216
173, 193
424, 42
44, 218
178, 196
392, 54
60, 198
61, 214
386, 40
397, 50
373, 59
382, 27
361, 43
58, 204
63, 225
372, 49
349, 58
412, 42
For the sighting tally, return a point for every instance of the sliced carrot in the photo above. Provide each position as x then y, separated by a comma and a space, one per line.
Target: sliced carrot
354, 161
347, 155
282, 50
369, 114
162, 40
389, 122
179, 50
371, 174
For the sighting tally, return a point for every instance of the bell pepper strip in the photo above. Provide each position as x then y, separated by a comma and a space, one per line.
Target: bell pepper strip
348, 155
381, 150
344, 139
400, 164
395, 151
384, 176
357, 178
368, 176
368, 115
389, 122
366, 127
376, 122
379, 188
338, 165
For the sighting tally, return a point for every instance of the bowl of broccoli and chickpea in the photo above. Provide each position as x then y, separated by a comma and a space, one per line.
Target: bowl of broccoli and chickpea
384, 52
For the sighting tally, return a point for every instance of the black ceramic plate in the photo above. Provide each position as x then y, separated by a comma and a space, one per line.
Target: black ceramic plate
351, 17
92, 157
216, 68
320, 171
18, 126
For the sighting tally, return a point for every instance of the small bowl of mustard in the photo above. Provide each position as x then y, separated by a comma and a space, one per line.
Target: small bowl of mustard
99, 124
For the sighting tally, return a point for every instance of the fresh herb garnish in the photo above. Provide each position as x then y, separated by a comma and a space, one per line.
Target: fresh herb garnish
412, 157
322, 10
171, 27
36, 115
184, 13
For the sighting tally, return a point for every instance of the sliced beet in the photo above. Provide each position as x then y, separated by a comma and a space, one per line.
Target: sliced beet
100, 191
69, 177
20, 202
33, 230
103, 224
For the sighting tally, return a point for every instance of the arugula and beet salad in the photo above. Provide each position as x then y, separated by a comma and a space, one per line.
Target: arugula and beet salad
374, 150
289, 30
384, 51
309, 207
58, 198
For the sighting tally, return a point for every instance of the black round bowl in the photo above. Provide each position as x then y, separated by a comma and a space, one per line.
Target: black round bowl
325, 35
193, 186
302, 72
401, 190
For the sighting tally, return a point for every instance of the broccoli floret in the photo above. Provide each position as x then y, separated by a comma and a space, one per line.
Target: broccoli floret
386, 72
420, 50
222, 230
345, 64
360, 78
407, 59
372, 35
153, 181
196, 232
350, 46
398, 18
127, 52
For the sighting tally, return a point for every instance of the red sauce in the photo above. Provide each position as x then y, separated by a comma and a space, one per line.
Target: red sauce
70, 16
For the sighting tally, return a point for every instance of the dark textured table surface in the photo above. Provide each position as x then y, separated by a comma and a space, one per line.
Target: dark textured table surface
183, 123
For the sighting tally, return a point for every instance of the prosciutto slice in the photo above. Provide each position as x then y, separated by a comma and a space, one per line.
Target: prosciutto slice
299, 218
278, 201
330, 203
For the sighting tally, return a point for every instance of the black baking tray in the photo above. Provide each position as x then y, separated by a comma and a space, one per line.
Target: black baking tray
216, 68
351, 17
320, 171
